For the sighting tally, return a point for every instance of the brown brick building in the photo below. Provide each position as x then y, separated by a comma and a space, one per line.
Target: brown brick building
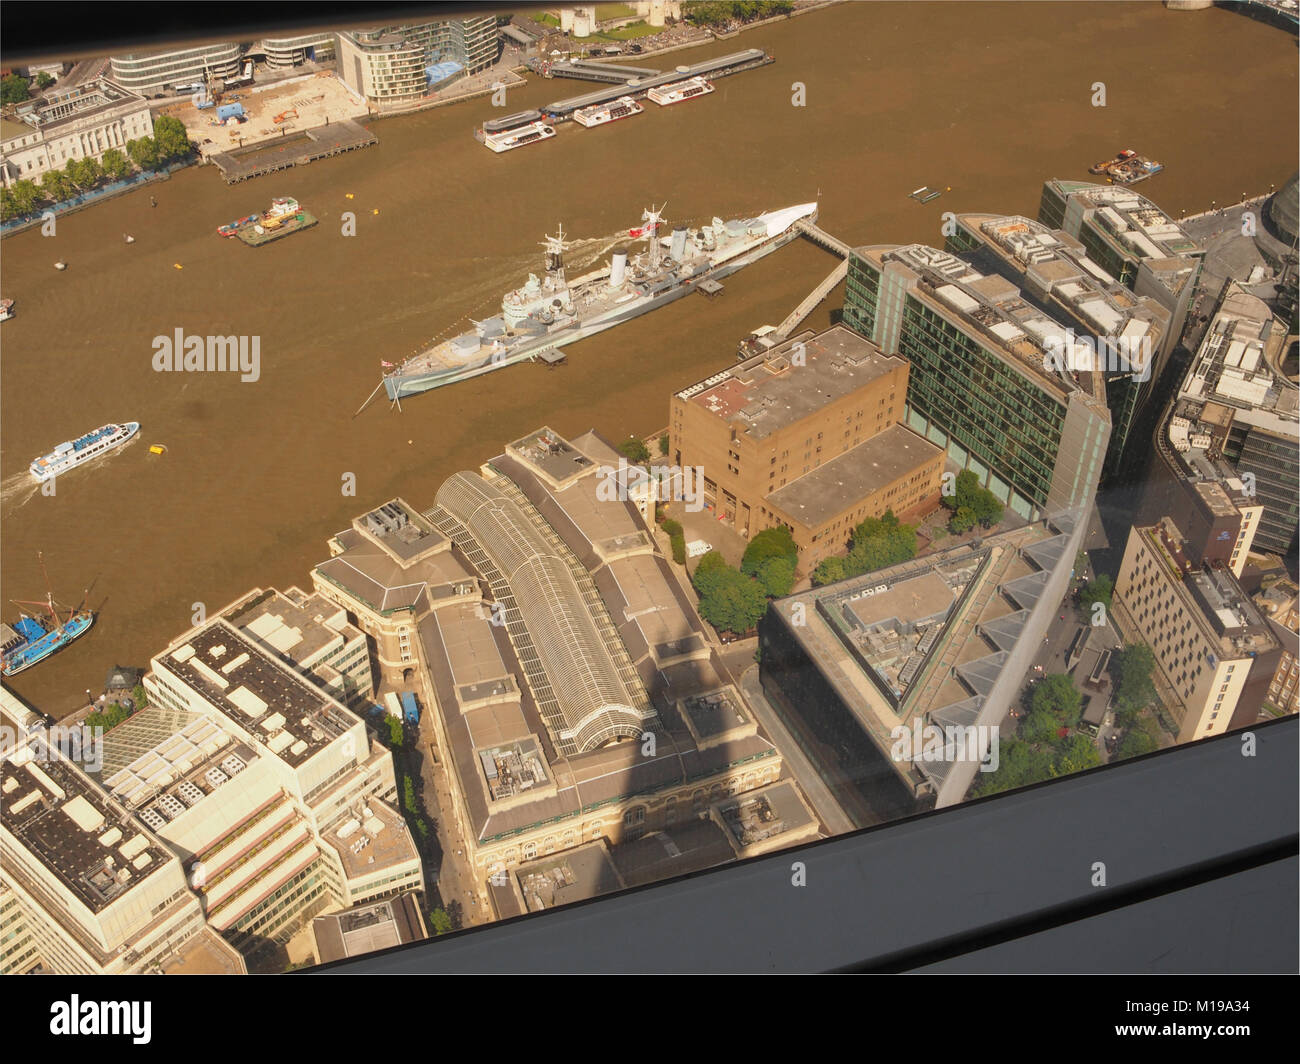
807, 435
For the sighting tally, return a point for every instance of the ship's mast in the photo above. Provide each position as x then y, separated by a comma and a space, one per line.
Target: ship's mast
555, 254
652, 216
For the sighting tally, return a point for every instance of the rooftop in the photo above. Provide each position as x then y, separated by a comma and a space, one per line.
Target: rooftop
1135, 225
1213, 597
373, 841
995, 310
575, 875
766, 396
370, 927
756, 817
290, 717
88, 840
61, 107
928, 638
826, 492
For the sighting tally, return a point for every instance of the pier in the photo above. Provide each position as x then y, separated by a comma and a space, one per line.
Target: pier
823, 239
562, 110
305, 147
810, 302
584, 70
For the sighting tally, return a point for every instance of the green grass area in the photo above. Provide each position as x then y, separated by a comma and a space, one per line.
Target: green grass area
629, 33
545, 19
607, 11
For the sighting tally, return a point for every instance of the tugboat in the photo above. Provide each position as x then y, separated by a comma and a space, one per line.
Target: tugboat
30, 640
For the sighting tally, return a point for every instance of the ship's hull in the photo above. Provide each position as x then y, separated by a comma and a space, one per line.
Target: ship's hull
24, 657
400, 386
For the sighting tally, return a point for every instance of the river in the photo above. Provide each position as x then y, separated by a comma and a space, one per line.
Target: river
985, 99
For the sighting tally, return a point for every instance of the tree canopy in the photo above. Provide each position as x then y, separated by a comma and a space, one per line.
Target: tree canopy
770, 543
971, 504
733, 602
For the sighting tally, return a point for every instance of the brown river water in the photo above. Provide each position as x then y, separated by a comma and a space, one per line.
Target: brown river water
987, 99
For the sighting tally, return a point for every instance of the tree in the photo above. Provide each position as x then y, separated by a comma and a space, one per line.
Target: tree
663, 444
170, 137
1040, 726
1138, 740
776, 577
983, 506
879, 542
395, 733
55, 185
1055, 694
770, 543
7, 207
962, 520
143, 152
43, 80
139, 696
705, 576
734, 603
83, 173
1132, 668
829, 571
115, 164
439, 921
1019, 764
25, 194
1074, 755
634, 450
13, 89
1097, 591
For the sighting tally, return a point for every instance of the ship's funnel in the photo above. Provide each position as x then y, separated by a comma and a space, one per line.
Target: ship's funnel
677, 249
618, 269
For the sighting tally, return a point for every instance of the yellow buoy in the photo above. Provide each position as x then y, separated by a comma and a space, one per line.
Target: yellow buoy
178, 266
375, 211
157, 448
348, 194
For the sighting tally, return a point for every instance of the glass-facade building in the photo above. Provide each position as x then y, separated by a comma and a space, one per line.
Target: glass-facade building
1036, 443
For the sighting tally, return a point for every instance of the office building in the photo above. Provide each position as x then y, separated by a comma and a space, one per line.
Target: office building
940, 641
276, 796
394, 66
1133, 240
81, 122
807, 435
984, 380
314, 634
366, 928
284, 52
154, 74
1126, 334
1200, 624
85, 887
1277, 602
1238, 410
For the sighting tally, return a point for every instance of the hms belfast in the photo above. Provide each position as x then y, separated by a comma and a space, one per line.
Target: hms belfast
549, 312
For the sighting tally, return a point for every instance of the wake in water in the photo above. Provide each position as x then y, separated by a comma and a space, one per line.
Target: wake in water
17, 490
507, 274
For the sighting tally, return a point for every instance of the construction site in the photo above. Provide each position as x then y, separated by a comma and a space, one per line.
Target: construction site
222, 121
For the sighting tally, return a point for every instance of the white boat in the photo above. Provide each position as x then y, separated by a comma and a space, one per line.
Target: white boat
6, 309
83, 449
60, 265
519, 137
666, 95
601, 113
